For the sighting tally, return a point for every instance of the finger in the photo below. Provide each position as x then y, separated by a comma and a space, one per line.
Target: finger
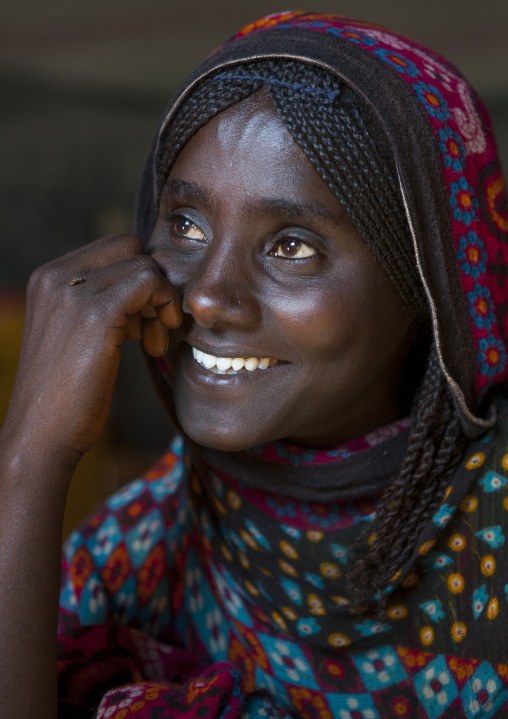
138, 284
149, 312
171, 314
100, 253
132, 286
155, 337
135, 329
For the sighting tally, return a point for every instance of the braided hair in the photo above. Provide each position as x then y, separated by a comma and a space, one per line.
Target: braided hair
345, 143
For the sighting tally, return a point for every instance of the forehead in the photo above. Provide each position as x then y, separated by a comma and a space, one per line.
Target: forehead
248, 150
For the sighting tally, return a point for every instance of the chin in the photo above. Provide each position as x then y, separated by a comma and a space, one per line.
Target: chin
215, 436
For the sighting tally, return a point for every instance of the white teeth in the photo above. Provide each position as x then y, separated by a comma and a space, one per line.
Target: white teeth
209, 361
224, 363
231, 365
238, 363
251, 364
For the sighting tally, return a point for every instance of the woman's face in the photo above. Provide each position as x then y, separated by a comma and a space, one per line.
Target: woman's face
269, 266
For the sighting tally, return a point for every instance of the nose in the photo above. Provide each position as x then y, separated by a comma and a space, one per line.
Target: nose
221, 291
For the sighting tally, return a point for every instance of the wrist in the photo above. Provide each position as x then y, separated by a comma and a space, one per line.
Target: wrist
28, 456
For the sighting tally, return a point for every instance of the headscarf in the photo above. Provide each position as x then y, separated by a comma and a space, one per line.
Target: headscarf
442, 142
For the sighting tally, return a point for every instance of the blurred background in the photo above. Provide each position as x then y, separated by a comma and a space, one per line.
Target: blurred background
83, 86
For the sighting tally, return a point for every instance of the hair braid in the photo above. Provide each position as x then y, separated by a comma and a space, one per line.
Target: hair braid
371, 218
435, 446
346, 145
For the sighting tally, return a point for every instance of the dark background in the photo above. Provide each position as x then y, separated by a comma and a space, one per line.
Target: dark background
82, 87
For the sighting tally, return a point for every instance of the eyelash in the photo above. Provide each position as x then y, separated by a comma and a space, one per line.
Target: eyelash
173, 218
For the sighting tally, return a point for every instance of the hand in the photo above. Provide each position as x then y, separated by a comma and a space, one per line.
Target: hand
73, 336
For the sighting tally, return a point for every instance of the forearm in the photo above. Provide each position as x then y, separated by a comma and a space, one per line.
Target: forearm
33, 488
69, 362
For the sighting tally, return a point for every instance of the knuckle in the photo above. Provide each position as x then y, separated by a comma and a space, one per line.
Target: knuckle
44, 279
146, 269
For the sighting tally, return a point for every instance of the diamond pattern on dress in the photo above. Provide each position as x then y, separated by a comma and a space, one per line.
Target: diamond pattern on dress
484, 693
352, 706
93, 605
144, 536
288, 661
379, 668
436, 687
104, 541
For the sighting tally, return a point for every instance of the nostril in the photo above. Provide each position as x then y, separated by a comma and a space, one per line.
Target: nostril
220, 305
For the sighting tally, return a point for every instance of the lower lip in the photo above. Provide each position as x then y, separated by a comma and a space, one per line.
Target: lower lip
200, 375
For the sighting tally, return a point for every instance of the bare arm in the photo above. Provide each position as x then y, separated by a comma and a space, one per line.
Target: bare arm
68, 367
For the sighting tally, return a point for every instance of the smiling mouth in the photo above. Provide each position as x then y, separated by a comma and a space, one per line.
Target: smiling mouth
232, 365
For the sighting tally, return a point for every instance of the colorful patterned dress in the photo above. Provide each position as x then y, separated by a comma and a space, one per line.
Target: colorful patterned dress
245, 591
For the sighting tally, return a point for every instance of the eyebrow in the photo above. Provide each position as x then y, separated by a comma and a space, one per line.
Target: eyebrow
287, 209
187, 191
277, 206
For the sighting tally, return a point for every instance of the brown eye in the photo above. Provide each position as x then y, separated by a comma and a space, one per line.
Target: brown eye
294, 249
183, 227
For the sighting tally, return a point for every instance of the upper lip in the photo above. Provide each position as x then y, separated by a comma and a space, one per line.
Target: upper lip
227, 350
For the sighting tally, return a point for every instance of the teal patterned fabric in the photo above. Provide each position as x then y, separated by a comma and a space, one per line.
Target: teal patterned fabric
257, 581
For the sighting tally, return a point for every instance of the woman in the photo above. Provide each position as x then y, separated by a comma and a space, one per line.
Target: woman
322, 299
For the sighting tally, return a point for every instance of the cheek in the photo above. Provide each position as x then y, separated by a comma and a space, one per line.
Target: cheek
316, 325
355, 322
